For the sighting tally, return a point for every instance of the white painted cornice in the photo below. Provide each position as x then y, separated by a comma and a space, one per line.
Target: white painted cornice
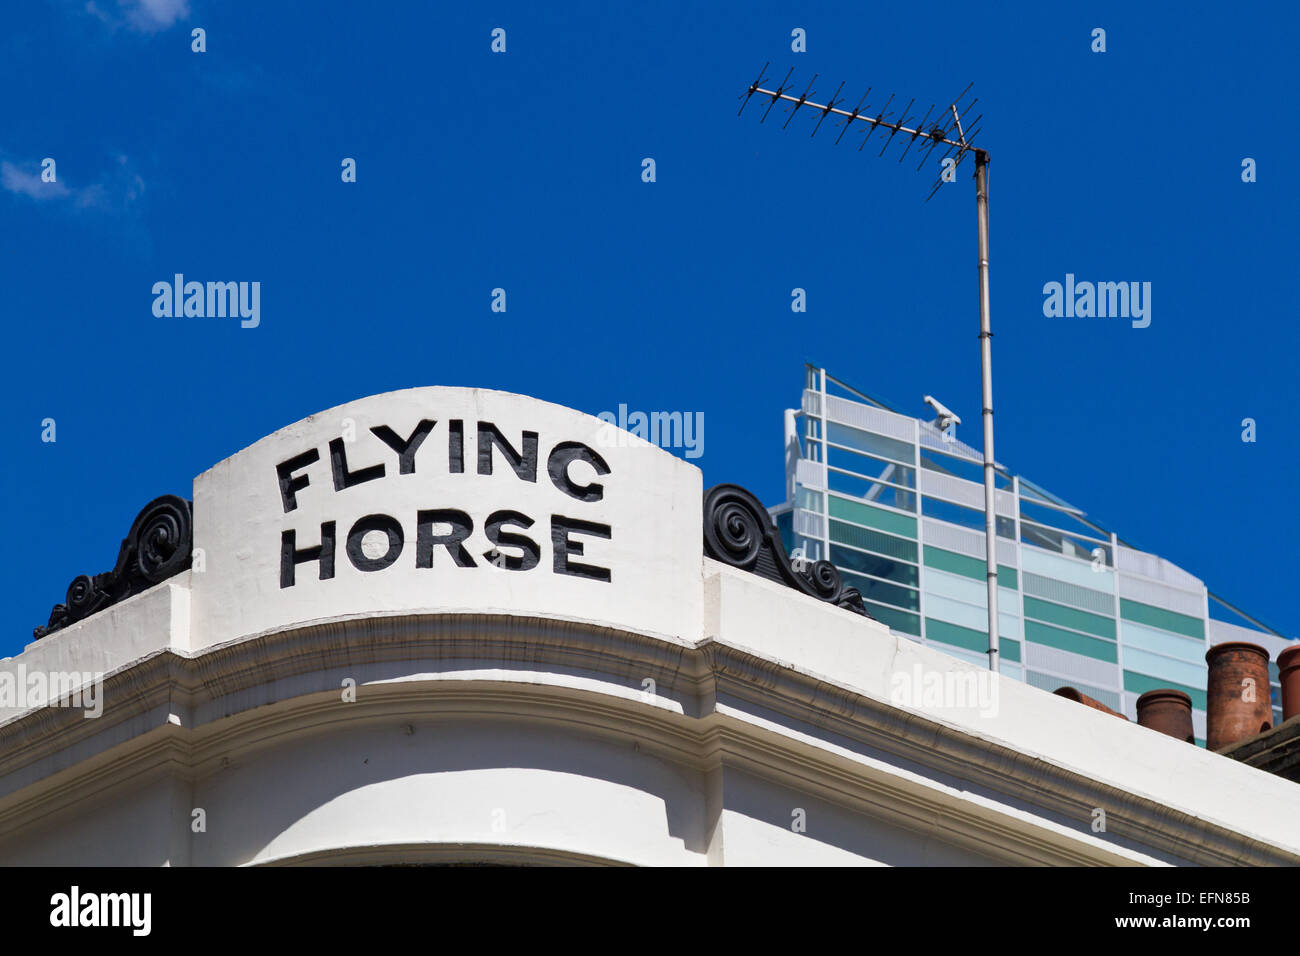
716, 706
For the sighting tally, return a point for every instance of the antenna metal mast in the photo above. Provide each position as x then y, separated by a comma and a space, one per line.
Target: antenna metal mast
941, 131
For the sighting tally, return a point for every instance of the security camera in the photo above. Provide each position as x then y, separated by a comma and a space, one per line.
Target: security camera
946, 416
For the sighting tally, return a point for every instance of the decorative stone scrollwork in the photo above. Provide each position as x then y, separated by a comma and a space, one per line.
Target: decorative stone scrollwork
738, 531
158, 546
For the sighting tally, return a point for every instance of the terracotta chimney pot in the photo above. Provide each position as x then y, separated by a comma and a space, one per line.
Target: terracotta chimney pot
1238, 703
1168, 711
1288, 667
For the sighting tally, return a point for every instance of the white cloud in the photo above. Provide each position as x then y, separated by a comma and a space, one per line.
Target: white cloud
27, 184
147, 16
116, 190
154, 15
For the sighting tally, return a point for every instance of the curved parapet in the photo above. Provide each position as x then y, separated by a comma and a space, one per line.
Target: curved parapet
447, 500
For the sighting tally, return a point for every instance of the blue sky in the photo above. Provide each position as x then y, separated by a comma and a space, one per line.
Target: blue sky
522, 171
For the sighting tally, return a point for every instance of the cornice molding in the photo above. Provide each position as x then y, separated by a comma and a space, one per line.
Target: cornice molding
202, 703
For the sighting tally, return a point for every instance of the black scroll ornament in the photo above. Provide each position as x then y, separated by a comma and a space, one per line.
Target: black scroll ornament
738, 531
158, 546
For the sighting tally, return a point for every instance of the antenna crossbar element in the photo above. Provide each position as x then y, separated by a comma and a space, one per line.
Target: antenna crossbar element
753, 88
955, 133
878, 121
800, 101
920, 127
826, 110
850, 116
777, 94
897, 127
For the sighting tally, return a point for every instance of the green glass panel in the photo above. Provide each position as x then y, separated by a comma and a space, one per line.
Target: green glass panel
1070, 617
1159, 617
946, 633
872, 517
874, 565
967, 566
808, 500
1070, 641
969, 638
874, 590
873, 541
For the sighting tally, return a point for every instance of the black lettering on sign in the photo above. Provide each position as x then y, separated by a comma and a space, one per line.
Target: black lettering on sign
291, 483
561, 528
385, 523
572, 467
291, 556
456, 446
532, 554
525, 465
405, 449
426, 540
557, 466
339, 464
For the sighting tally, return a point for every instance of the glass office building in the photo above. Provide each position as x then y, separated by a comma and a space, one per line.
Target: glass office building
898, 506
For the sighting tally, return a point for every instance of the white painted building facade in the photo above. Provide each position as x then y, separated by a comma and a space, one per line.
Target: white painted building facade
540, 665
